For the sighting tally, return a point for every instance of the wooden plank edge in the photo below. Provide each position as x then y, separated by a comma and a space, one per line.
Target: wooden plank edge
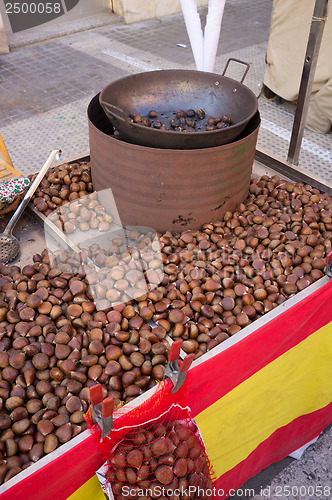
295, 173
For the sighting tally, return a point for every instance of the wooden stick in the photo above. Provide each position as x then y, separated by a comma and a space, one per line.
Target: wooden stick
9, 167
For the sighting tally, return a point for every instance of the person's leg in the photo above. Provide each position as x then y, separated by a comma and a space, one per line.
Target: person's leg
319, 118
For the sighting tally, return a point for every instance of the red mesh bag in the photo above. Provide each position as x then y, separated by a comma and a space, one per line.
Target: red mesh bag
155, 451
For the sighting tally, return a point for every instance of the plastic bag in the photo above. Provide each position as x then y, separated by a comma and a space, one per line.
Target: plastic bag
157, 452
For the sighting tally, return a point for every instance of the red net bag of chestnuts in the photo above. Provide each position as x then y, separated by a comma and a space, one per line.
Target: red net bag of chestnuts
155, 451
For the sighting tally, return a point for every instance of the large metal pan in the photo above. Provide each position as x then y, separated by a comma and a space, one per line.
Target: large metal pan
168, 90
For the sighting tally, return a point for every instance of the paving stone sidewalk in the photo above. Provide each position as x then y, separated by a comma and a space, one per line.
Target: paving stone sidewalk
46, 87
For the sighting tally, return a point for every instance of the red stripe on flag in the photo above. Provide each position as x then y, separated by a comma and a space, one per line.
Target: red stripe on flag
62, 476
280, 444
211, 380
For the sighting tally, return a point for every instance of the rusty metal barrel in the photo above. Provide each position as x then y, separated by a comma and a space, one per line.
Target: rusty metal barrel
170, 189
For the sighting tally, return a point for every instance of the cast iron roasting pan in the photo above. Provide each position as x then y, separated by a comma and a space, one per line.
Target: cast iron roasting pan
169, 90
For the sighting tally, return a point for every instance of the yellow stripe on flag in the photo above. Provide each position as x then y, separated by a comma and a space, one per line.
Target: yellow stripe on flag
91, 490
295, 384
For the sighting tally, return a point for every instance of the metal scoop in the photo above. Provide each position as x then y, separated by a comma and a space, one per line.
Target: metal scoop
9, 245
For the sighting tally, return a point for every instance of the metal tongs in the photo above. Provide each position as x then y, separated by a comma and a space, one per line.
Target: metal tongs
176, 370
102, 410
9, 245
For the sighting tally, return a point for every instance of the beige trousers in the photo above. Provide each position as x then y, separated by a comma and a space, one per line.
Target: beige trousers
289, 32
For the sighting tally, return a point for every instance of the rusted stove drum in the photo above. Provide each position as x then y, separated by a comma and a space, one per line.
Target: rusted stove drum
170, 189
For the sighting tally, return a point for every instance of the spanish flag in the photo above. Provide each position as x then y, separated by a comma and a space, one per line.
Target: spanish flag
267, 395
254, 402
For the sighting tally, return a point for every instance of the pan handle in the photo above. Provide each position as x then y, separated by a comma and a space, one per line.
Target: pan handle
115, 112
240, 62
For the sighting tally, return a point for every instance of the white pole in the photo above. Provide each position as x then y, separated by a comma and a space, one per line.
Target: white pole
194, 29
212, 33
